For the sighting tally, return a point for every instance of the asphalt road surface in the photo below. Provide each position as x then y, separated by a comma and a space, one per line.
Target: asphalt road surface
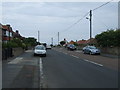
56, 70
64, 71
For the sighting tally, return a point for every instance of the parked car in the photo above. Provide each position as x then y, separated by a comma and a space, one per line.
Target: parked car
71, 47
48, 47
40, 50
91, 50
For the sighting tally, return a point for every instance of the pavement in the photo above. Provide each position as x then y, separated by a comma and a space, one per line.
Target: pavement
21, 72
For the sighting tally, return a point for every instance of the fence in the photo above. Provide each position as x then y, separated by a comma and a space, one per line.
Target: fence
6, 53
10, 52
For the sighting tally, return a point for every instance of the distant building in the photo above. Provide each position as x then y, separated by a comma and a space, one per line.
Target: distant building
71, 42
87, 42
81, 42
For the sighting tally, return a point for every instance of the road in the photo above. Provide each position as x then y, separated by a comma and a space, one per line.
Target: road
57, 70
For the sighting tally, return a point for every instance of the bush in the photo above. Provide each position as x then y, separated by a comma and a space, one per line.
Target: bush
108, 38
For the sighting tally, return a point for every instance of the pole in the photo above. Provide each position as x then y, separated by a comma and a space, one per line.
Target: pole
90, 25
52, 40
58, 38
38, 36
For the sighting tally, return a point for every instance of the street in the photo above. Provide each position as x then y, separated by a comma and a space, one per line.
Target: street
56, 70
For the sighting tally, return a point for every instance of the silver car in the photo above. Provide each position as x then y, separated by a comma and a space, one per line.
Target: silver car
91, 50
40, 50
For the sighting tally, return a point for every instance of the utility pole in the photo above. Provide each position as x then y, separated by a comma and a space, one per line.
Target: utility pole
58, 38
52, 40
38, 37
90, 25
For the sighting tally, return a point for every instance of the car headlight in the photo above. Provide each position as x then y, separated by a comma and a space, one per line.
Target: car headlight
44, 52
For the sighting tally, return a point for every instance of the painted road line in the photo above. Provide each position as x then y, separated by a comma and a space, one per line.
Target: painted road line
75, 56
16, 60
93, 62
41, 72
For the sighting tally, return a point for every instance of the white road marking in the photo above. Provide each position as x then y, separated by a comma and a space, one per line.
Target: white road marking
75, 56
93, 62
41, 72
16, 60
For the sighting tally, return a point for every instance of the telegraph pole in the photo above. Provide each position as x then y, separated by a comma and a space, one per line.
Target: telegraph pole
52, 40
90, 25
58, 38
38, 36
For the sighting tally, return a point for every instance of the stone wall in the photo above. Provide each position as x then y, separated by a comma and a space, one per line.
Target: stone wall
17, 51
111, 50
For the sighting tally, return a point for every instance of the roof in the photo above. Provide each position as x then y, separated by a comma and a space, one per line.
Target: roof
8, 28
87, 41
71, 42
81, 41
5, 27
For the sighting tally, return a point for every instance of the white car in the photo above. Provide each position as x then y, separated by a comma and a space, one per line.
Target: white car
48, 47
40, 50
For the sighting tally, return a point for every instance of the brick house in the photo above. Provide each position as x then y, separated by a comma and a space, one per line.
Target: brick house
87, 42
0, 33
7, 33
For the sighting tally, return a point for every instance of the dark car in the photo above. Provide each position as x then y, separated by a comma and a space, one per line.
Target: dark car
71, 47
91, 50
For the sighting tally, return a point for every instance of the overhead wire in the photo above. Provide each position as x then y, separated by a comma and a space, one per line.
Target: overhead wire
75, 22
85, 16
102, 5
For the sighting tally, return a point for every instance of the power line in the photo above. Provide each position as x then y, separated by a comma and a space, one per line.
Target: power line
75, 22
85, 16
102, 5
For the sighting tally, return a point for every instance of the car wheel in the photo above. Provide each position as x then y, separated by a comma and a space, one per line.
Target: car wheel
90, 53
84, 52
34, 54
44, 55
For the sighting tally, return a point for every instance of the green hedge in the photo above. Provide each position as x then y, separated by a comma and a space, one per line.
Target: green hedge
109, 38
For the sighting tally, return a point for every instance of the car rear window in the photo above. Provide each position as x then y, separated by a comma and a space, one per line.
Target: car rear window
40, 47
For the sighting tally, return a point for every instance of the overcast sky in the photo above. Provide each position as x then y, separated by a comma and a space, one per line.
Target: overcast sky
53, 17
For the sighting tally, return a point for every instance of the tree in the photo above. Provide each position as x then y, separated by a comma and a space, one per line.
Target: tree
108, 38
62, 43
30, 41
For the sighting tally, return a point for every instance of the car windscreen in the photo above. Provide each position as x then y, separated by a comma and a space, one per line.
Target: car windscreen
92, 47
71, 45
40, 48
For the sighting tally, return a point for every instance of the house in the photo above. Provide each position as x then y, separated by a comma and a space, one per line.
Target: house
0, 33
71, 42
91, 41
80, 42
7, 33
17, 35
